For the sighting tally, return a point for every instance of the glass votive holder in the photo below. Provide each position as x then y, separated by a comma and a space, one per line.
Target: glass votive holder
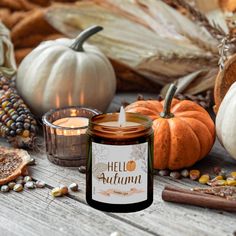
65, 135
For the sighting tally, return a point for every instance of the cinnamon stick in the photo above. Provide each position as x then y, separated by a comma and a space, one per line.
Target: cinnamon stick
184, 196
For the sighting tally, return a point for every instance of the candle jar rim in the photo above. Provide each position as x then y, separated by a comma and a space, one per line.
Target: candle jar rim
95, 126
146, 120
49, 114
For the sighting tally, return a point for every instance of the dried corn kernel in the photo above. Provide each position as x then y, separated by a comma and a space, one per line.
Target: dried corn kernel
164, 172
204, 179
185, 173
219, 177
64, 189
26, 134
231, 182
219, 183
74, 187
5, 188
233, 174
11, 185
40, 184
29, 185
27, 178
194, 174
175, 174
18, 188
56, 192
18, 125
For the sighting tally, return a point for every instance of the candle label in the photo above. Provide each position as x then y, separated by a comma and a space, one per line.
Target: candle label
119, 173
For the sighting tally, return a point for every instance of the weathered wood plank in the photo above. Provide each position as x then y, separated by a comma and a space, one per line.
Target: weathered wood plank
36, 213
154, 219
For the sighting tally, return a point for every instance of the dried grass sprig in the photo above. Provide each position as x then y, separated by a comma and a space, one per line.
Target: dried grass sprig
226, 47
215, 30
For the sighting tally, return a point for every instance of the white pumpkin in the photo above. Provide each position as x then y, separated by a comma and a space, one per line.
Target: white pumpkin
226, 121
66, 72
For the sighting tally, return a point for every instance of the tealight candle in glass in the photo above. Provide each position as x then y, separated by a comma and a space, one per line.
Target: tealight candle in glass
65, 135
119, 166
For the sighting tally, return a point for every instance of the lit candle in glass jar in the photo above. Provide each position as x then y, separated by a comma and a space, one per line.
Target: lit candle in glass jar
75, 123
119, 165
72, 122
65, 135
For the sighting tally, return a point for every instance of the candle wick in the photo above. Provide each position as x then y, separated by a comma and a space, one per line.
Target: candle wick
122, 118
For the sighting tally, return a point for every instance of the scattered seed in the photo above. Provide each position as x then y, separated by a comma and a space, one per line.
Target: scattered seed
231, 182
164, 172
5, 188
40, 184
64, 189
29, 185
204, 179
219, 177
20, 181
82, 169
20, 178
217, 170
233, 174
218, 183
184, 173
194, 174
31, 162
11, 185
74, 187
223, 173
18, 188
175, 174
56, 192
230, 178
27, 178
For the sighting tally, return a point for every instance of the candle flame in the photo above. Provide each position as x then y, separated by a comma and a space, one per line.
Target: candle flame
57, 101
122, 118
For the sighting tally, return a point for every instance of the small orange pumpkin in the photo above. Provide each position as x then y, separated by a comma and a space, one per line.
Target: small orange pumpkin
131, 165
184, 132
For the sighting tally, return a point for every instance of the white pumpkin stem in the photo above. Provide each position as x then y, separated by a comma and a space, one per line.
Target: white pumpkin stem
83, 36
168, 100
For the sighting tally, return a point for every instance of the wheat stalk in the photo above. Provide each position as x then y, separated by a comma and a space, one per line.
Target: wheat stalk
215, 30
227, 42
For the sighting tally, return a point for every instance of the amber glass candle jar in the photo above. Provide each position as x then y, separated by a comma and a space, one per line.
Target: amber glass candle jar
119, 165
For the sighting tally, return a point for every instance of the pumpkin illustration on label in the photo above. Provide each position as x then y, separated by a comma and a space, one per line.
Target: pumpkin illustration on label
131, 165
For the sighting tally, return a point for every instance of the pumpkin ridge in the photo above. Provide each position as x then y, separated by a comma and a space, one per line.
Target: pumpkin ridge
161, 154
181, 115
36, 65
179, 156
188, 106
169, 141
56, 64
208, 135
200, 145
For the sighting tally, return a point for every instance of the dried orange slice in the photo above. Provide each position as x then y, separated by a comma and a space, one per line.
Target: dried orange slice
12, 163
224, 80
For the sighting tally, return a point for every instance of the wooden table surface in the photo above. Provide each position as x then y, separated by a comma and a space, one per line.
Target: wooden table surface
35, 212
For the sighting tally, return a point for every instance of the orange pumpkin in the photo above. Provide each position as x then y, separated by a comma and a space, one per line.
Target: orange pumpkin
184, 132
131, 165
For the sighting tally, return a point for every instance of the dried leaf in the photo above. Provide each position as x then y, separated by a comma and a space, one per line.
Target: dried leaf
7, 60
